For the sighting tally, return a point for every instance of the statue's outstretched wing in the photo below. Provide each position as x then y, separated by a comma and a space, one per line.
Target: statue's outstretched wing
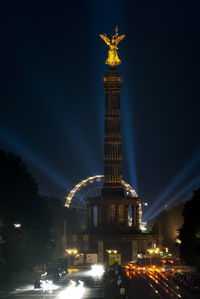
105, 38
119, 39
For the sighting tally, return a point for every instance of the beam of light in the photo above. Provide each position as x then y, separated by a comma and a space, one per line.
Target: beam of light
24, 289
52, 92
177, 180
195, 183
96, 270
73, 291
15, 144
81, 145
47, 286
78, 141
74, 135
128, 137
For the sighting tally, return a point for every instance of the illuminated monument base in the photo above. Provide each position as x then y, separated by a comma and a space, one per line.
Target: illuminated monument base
113, 223
109, 227
131, 247
111, 214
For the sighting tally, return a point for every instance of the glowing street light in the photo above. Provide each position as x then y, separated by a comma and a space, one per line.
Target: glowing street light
17, 225
110, 251
71, 251
153, 250
150, 251
178, 241
156, 250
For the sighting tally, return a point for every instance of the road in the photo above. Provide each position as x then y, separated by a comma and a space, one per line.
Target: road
77, 285
155, 285
83, 284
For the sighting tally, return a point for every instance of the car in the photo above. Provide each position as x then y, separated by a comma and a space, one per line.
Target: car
38, 284
42, 284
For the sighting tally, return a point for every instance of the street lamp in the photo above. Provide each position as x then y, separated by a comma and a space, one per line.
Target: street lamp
71, 251
110, 251
153, 251
178, 241
150, 251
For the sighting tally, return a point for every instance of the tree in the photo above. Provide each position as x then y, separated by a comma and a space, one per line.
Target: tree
190, 231
65, 222
19, 192
29, 244
2, 241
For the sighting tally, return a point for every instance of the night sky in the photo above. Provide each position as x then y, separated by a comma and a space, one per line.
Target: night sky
52, 95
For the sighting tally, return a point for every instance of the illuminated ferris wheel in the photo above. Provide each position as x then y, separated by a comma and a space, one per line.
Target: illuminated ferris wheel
91, 187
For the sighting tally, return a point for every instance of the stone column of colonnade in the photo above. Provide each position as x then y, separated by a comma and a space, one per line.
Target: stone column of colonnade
99, 214
90, 216
109, 220
135, 215
126, 215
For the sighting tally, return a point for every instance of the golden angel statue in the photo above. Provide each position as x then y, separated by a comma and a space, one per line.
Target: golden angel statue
113, 58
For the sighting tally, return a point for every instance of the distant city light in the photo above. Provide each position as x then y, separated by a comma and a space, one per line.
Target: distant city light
17, 225
178, 241
143, 228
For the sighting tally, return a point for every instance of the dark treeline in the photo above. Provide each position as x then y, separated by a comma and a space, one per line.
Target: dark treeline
181, 223
31, 225
190, 231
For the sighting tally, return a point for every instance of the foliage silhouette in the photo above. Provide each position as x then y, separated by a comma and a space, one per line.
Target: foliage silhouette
190, 231
29, 244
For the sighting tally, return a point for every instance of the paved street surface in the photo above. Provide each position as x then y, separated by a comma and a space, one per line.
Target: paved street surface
79, 284
153, 284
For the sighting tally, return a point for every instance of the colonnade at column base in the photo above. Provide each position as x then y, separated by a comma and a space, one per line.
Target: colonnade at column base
109, 214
